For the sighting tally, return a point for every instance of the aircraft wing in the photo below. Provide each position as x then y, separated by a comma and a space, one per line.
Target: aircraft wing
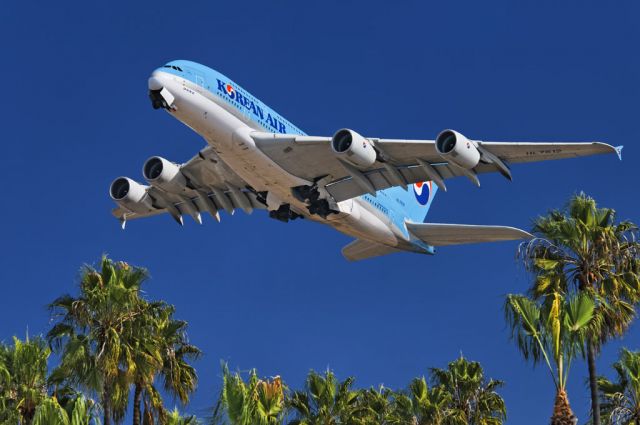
403, 162
210, 186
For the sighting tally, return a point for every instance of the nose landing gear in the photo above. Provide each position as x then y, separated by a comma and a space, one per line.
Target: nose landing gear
162, 99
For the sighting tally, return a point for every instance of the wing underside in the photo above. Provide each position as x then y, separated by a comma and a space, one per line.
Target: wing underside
211, 186
404, 162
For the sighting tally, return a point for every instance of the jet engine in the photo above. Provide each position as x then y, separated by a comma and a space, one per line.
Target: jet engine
456, 148
130, 195
164, 174
353, 148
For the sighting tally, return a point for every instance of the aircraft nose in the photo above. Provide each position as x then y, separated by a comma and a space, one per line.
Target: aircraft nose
155, 82
160, 96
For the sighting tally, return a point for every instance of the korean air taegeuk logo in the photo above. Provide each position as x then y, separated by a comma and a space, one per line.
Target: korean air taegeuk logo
422, 191
231, 92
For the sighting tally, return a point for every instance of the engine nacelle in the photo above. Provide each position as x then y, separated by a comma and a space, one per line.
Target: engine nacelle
130, 195
456, 148
164, 174
353, 148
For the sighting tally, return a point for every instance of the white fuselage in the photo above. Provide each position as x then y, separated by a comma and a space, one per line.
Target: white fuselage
228, 130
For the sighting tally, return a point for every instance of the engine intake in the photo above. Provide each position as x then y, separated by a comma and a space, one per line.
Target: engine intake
353, 148
164, 174
130, 195
456, 148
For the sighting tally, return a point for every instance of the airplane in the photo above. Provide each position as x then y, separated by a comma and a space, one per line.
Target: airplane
378, 191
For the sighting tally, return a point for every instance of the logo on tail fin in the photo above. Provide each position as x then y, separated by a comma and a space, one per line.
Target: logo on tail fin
423, 192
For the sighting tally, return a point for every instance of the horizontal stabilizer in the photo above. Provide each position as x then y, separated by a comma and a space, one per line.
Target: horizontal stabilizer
437, 234
361, 249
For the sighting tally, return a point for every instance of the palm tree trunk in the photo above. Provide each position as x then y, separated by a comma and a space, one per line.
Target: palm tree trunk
593, 383
106, 405
137, 397
148, 415
562, 413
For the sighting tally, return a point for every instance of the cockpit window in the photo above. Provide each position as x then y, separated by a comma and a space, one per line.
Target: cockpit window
177, 68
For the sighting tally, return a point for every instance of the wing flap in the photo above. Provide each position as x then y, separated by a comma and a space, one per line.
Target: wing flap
162, 205
361, 249
438, 234
380, 178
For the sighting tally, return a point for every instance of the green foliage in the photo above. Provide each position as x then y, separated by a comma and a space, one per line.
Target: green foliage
80, 411
621, 398
583, 249
23, 374
326, 401
51, 413
161, 349
428, 406
459, 395
554, 331
93, 333
383, 406
174, 418
467, 397
111, 339
254, 402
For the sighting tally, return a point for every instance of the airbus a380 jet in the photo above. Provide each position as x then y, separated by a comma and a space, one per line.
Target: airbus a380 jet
377, 190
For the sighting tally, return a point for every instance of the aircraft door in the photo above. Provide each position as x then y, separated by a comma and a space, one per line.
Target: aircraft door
200, 82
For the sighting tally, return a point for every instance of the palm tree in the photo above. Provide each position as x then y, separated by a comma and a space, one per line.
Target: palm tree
255, 402
325, 401
23, 379
162, 348
621, 399
598, 257
554, 332
427, 406
472, 399
79, 411
174, 418
383, 406
92, 333
179, 377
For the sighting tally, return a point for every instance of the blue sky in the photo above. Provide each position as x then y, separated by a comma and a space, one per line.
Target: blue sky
279, 297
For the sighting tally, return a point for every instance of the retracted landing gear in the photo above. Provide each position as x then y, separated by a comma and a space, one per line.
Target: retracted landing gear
284, 213
311, 196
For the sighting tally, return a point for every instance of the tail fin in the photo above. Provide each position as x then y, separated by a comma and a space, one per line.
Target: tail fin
417, 199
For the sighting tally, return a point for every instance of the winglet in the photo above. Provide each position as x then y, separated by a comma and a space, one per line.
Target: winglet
619, 151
